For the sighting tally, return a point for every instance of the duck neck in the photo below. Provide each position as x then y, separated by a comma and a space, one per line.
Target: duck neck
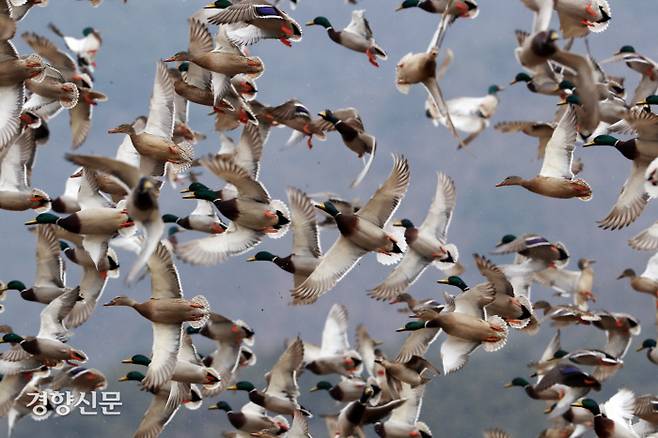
335, 36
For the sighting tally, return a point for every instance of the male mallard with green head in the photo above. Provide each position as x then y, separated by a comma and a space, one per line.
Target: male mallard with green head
356, 36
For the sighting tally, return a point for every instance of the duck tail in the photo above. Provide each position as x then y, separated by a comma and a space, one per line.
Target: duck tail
36, 59
498, 322
201, 300
114, 271
71, 98
587, 190
46, 206
532, 328
187, 151
424, 429
196, 399
379, 52
523, 322
283, 214
218, 378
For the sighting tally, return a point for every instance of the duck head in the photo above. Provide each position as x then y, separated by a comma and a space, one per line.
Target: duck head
43, 218
405, 223
11, 338
412, 326
602, 140
322, 385
454, 280
511, 181
627, 273
262, 256
406, 4
121, 300
649, 100
135, 376
588, 404
138, 359
221, 405
328, 208
647, 344
517, 381
320, 21
329, 116
169, 218
14, 285
242, 385
494, 89
218, 4
521, 77
178, 57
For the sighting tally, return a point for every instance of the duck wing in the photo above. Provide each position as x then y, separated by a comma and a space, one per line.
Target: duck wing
439, 215
383, 204
305, 234
631, 201
92, 285
215, 249
160, 120
234, 174
53, 314
50, 266
559, 150
336, 263
165, 282
166, 343
334, 335
647, 240
283, 377
13, 168
403, 275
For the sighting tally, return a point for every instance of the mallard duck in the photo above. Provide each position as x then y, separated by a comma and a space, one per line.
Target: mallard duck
16, 193
612, 419
425, 245
306, 252
540, 82
550, 394
510, 303
167, 310
421, 68
633, 198
562, 315
50, 277
85, 48
188, 369
645, 412
619, 329
534, 50
361, 232
356, 36
252, 418
296, 116
255, 20
48, 347
155, 145
458, 9
224, 61
647, 282
202, 219
360, 412
403, 421
78, 381
577, 283
167, 398
252, 212
347, 390
555, 178
282, 391
466, 323
416, 372
534, 247
142, 203
652, 351
641, 64
334, 356
349, 125
580, 17
81, 114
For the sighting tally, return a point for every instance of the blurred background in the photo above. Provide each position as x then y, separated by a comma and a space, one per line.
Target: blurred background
324, 75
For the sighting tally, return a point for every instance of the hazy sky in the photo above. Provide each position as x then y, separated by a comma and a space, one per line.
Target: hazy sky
325, 75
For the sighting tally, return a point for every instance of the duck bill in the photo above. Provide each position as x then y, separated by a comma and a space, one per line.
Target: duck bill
315, 388
232, 388
310, 23
31, 222
212, 407
444, 281
554, 36
397, 224
190, 195
564, 102
642, 102
588, 144
577, 404
640, 349
321, 207
508, 385
210, 6
513, 82
123, 379
401, 329
399, 8
170, 59
127, 361
251, 259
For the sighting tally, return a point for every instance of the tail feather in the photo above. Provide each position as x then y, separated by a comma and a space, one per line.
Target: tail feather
499, 322
200, 299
